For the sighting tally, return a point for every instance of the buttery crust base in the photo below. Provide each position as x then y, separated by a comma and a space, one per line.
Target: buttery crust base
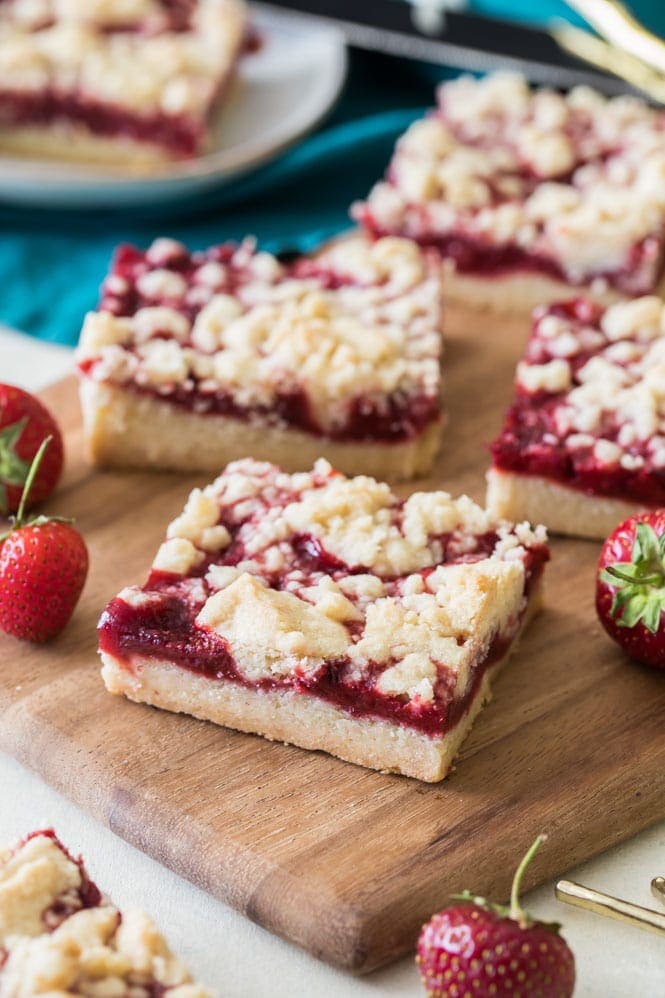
126, 429
520, 293
296, 719
562, 509
68, 143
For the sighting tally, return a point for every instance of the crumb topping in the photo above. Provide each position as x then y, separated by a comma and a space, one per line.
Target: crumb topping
31, 880
90, 950
355, 333
135, 54
576, 179
324, 572
591, 386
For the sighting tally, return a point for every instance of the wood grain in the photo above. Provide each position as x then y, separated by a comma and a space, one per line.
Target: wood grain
343, 861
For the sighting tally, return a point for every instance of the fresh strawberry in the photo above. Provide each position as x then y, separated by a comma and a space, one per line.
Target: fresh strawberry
482, 949
630, 587
24, 424
43, 566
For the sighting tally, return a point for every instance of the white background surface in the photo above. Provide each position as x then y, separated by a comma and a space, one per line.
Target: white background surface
239, 960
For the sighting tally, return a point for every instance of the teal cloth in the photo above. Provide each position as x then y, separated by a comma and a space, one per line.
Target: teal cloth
649, 12
52, 262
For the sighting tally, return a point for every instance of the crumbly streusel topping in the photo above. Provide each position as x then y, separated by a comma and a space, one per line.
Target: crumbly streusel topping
65, 47
576, 179
362, 321
609, 381
89, 949
313, 568
33, 14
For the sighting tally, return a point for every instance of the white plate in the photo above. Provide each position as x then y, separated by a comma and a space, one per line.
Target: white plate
280, 92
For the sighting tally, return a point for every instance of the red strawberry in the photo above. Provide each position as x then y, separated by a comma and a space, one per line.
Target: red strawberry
630, 587
24, 424
43, 566
482, 949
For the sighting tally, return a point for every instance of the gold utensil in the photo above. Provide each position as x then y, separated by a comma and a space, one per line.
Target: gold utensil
586, 46
658, 888
615, 23
611, 907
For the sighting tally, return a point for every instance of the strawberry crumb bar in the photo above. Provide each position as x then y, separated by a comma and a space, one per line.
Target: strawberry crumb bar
325, 612
583, 445
529, 193
60, 936
196, 359
133, 83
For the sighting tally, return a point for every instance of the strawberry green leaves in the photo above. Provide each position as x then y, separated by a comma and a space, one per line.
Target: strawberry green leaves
639, 585
630, 587
13, 469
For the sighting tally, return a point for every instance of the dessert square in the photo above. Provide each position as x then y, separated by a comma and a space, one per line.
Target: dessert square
133, 83
60, 936
583, 444
196, 359
323, 611
527, 194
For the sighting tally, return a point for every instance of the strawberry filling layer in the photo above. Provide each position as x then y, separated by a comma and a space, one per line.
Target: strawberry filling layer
179, 134
486, 259
165, 629
523, 447
531, 441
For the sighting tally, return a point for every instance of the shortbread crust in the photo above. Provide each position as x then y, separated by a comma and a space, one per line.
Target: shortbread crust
324, 612
583, 445
197, 359
59, 935
563, 509
534, 190
307, 723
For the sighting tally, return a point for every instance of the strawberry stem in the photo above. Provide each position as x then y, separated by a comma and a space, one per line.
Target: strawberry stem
516, 911
32, 473
644, 580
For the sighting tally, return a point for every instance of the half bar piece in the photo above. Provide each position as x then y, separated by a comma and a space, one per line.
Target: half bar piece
60, 936
325, 612
583, 445
529, 193
133, 83
197, 359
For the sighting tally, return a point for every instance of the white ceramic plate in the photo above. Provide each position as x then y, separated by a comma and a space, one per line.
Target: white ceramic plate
280, 92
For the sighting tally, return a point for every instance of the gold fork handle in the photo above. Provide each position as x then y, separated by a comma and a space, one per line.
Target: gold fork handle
658, 888
615, 22
608, 57
611, 907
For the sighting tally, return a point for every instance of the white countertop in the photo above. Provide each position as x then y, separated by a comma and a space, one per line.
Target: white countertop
239, 960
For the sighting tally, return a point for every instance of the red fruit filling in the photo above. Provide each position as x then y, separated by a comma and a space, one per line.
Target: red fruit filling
531, 441
165, 629
472, 255
179, 134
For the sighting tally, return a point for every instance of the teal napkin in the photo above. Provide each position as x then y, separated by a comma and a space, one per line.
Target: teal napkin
650, 12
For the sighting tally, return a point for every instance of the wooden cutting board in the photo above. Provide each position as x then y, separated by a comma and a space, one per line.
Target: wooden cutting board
346, 862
